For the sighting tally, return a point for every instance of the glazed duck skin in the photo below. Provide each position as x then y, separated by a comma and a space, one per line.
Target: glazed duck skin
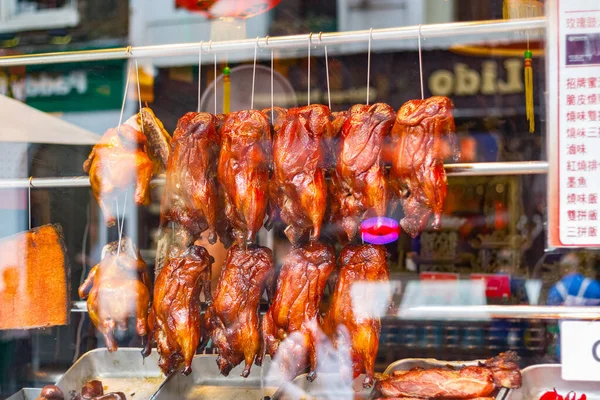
191, 196
298, 187
352, 327
233, 318
358, 186
243, 172
174, 320
417, 176
295, 308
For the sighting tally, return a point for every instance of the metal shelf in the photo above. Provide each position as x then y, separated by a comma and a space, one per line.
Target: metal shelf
466, 169
280, 42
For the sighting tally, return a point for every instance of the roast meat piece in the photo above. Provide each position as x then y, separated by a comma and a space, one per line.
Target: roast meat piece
51, 392
116, 289
191, 197
233, 318
417, 175
298, 187
352, 321
243, 172
174, 321
358, 186
447, 383
158, 139
292, 324
117, 163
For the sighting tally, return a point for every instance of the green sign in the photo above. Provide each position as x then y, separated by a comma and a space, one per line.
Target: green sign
86, 86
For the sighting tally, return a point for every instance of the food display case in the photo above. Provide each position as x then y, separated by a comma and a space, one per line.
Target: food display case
392, 212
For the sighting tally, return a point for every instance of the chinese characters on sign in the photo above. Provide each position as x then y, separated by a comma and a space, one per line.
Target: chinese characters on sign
574, 132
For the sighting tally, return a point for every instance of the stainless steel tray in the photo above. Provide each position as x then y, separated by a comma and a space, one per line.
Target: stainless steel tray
538, 379
26, 394
206, 382
325, 386
125, 371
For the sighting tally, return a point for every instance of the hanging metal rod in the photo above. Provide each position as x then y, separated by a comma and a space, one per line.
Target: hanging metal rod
467, 169
278, 42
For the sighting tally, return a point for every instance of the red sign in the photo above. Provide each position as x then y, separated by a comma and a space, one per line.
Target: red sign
228, 8
496, 285
438, 276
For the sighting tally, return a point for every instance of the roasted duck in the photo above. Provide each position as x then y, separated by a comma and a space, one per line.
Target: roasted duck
233, 316
351, 325
417, 176
117, 162
243, 172
92, 390
174, 321
190, 197
158, 139
358, 184
116, 289
298, 186
446, 383
292, 323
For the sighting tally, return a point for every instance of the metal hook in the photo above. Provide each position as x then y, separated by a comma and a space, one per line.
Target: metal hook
29, 198
200, 74
128, 51
421, 63
320, 37
254, 73
326, 70
309, 44
369, 66
310, 38
267, 41
257, 39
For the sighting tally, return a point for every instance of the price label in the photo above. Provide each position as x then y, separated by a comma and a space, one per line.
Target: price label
580, 350
438, 276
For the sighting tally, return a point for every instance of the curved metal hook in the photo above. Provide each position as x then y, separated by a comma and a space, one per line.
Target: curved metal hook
210, 45
128, 51
310, 38
267, 41
320, 37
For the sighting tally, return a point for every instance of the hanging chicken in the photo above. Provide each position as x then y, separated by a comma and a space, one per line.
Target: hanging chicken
233, 317
292, 324
298, 187
358, 186
417, 175
116, 289
174, 321
243, 172
353, 319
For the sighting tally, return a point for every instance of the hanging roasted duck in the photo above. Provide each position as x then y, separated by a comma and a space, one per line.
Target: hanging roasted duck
233, 318
417, 176
360, 296
298, 187
174, 321
116, 289
191, 197
124, 159
292, 325
243, 172
358, 187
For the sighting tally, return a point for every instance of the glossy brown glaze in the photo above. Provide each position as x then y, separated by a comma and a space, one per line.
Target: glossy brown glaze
417, 175
352, 327
358, 187
191, 196
243, 172
116, 289
174, 321
117, 163
298, 187
292, 324
233, 318
51, 392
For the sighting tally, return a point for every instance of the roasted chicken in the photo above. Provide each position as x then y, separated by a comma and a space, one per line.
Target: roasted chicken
358, 186
174, 321
190, 197
233, 317
417, 175
116, 289
447, 383
243, 172
353, 320
117, 162
292, 324
298, 187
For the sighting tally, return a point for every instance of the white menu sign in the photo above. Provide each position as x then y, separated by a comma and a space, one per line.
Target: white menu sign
573, 74
580, 350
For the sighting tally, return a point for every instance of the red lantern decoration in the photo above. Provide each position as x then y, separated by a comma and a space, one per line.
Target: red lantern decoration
228, 8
